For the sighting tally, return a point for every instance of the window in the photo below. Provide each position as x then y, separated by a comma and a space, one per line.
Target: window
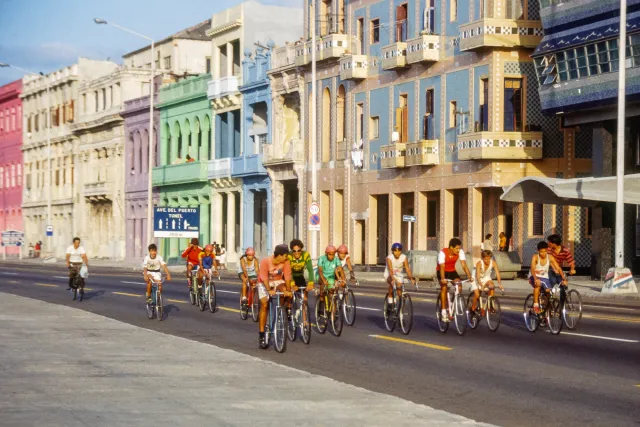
97, 101
104, 99
453, 118
634, 50
401, 23
513, 105
374, 127
484, 105
515, 9
429, 18
537, 222
432, 218
453, 10
207, 62
13, 119
167, 62
428, 131
19, 174
1, 122
29, 124
1, 177
375, 31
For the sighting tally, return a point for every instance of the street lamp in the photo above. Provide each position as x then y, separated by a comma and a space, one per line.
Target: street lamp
100, 21
314, 95
619, 246
50, 190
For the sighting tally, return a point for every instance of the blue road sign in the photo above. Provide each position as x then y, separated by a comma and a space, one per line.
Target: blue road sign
176, 222
408, 218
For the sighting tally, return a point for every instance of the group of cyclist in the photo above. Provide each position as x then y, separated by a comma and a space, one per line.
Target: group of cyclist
290, 269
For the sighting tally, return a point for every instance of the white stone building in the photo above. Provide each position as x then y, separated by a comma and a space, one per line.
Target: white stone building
62, 103
99, 197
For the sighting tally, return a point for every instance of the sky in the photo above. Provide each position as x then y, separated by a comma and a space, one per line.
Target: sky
46, 35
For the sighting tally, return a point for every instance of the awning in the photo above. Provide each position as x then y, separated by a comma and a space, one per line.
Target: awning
573, 192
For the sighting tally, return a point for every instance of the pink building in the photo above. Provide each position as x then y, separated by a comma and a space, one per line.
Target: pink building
11, 159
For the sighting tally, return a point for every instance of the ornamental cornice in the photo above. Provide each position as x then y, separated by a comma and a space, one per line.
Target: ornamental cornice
212, 32
116, 76
102, 121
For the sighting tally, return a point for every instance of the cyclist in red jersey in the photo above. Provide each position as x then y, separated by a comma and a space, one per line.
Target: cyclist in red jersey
192, 254
446, 270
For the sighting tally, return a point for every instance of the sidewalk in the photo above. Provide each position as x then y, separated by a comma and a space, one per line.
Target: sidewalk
586, 287
62, 366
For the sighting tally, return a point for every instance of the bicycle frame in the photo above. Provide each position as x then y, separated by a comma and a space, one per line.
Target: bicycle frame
450, 284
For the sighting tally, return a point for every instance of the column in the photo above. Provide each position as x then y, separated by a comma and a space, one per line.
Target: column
446, 216
395, 217
195, 150
475, 237
231, 226
203, 155
205, 237
270, 242
230, 133
173, 155
230, 59
131, 249
275, 197
216, 216
186, 138
420, 231
371, 253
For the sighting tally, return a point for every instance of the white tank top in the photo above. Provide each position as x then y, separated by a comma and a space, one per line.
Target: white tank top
486, 274
344, 261
397, 266
542, 271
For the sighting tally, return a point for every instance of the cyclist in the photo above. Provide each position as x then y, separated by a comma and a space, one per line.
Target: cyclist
151, 270
76, 255
345, 260
541, 263
192, 254
563, 256
248, 269
393, 272
329, 270
206, 262
274, 275
446, 270
301, 264
483, 281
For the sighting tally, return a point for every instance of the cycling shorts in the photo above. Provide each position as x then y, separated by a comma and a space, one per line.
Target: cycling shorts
545, 283
300, 281
155, 276
483, 286
262, 289
450, 275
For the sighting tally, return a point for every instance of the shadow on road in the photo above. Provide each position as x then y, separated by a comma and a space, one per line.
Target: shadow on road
168, 309
93, 294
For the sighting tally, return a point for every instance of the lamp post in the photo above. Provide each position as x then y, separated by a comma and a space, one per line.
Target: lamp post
314, 104
619, 261
50, 189
151, 139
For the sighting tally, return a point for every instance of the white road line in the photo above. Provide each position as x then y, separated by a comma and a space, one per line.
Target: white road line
9, 274
599, 337
61, 277
607, 307
227, 292
133, 283
367, 308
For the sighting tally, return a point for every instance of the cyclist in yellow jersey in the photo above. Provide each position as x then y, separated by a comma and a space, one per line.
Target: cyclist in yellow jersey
301, 266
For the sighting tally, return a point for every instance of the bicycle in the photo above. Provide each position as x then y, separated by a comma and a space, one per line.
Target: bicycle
252, 301
550, 311
192, 282
77, 284
571, 306
209, 294
349, 303
329, 307
300, 318
487, 306
276, 327
458, 313
155, 307
399, 311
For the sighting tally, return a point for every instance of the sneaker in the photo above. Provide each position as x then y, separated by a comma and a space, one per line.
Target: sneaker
536, 308
149, 300
444, 315
244, 299
262, 341
289, 314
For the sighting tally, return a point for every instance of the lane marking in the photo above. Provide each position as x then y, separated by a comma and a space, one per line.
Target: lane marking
613, 319
46, 284
133, 283
13, 282
235, 310
9, 273
177, 300
418, 343
380, 295
600, 337
612, 308
61, 277
367, 308
227, 292
126, 294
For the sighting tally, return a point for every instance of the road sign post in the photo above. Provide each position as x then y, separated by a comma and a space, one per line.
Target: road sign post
12, 238
176, 222
410, 219
314, 217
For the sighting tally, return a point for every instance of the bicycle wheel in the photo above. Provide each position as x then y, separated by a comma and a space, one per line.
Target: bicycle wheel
150, 310
192, 294
493, 313
472, 317
321, 315
349, 307
406, 315
443, 325
554, 316
213, 297
305, 323
389, 316
255, 305
202, 302
336, 315
244, 306
291, 324
81, 290
280, 336
530, 317
572, 309
460, 316
159, 306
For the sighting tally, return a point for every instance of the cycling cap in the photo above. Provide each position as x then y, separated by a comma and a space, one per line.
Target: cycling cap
343, 249
209, 248
330, 250
250, 252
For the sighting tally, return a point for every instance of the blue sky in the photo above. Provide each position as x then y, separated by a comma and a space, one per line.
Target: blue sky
45, 35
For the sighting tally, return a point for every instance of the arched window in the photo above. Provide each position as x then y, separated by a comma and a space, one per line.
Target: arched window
13, 119
19, 167
139, 150
326, 125
341, 106
1, 177
13, 175
132, 156
144, 155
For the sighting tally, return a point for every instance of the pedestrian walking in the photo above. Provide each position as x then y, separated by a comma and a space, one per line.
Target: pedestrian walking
502, 245
487, 245
223, 258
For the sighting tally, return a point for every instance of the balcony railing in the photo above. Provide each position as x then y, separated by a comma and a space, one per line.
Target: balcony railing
354, 67
274, 154
500, 146
493, 32
394, 56
180, 174
98, 190
423, 152
424, 48
219, 168
224, 91
393, 155
331, 46
247, 166
284, 56
184, 89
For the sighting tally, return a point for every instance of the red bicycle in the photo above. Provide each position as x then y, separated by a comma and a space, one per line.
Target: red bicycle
252, 302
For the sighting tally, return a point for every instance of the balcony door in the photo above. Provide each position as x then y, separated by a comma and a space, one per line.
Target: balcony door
401, 23
402, 118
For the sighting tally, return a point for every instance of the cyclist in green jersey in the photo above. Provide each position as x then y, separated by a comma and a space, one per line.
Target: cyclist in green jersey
248, 269
330, 270
301, 266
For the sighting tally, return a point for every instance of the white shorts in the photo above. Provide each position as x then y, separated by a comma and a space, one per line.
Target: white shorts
155, 276
262, 289
474, 285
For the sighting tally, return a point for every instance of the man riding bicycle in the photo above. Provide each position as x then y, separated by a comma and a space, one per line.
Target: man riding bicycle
192, 254
151, 270
330, 270
274, 276
563, 256
446, 270
345, 260
76, 255
248, 269
206, 263
396, 262
301, 264
483, 280
542, 264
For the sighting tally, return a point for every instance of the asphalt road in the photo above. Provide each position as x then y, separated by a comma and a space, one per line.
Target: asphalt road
589, 377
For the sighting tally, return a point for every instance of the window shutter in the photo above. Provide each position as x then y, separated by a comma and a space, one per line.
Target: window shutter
405, 125
537, 220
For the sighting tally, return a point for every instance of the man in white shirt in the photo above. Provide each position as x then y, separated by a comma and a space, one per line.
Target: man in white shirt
76, 255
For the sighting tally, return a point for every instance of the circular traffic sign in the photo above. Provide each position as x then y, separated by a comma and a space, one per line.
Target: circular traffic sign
314, 219
314, 209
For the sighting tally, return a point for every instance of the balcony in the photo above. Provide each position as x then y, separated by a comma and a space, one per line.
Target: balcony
219, 168
247, 166
98, 191
183, 173
184, 90
223, 92
394, 56
424, 48
393, 156
334, 46
354, 67
423, 152
492, 32
276, 154
303, 54
500, 146
284, 56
